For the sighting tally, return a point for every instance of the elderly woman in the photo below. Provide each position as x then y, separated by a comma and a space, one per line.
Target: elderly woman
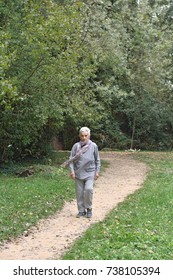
84, 164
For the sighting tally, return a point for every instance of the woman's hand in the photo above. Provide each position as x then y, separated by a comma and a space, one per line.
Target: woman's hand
96, 176
72, 175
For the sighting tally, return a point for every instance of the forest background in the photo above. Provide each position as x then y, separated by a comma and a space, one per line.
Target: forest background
103, 64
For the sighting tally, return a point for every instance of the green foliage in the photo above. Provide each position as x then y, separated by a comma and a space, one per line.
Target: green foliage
46, 60
63, 62
131, 81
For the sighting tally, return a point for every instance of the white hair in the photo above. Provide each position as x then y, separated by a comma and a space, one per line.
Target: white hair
83, 129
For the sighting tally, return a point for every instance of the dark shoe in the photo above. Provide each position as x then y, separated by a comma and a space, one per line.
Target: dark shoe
81, 214
89, 213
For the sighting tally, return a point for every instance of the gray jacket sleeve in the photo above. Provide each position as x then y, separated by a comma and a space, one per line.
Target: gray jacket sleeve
72, 154
97, 159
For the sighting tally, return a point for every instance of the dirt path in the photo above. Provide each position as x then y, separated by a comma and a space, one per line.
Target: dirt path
51, 237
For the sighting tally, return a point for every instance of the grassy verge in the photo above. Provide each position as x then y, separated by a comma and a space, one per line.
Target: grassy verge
26, 200
139, 228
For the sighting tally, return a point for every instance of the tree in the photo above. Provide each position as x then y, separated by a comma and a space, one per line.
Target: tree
47, 66
104, 64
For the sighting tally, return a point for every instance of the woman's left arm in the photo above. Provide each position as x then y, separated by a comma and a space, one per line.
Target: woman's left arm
97, 161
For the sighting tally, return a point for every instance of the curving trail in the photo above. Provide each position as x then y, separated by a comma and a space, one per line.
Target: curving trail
52, 237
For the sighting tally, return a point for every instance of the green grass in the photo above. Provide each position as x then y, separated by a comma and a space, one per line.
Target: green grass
141, 227
24, 201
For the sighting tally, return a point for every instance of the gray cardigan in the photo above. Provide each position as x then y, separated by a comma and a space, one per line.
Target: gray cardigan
88, 163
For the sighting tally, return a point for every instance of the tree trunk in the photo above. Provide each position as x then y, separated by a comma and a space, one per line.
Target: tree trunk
133, 132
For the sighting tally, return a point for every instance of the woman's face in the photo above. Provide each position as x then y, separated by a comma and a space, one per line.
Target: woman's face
84, 136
